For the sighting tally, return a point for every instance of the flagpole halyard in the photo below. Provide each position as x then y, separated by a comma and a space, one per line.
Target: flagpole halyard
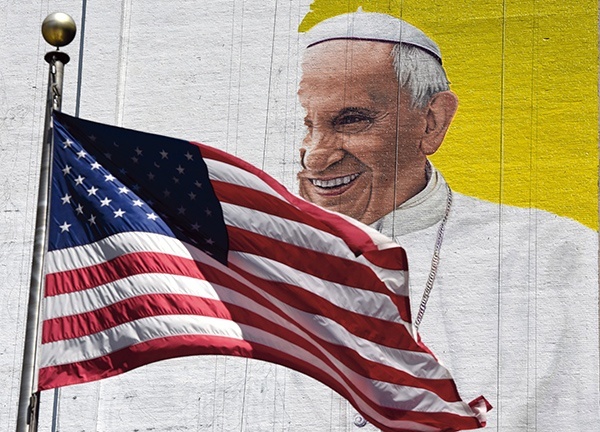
58, 30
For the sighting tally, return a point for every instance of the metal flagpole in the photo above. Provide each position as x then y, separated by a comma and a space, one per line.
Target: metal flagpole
58, 30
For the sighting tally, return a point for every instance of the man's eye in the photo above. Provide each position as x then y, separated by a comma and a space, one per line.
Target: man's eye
352, 123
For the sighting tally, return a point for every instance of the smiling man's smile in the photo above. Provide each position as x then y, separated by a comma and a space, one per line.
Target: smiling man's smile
334, 182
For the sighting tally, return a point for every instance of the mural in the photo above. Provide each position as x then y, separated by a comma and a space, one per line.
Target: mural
366, 154
490, 185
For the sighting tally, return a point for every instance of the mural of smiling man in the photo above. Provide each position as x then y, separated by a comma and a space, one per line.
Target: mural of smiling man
371, 123
508, 280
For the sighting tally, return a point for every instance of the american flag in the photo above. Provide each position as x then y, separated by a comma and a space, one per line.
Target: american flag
161, 248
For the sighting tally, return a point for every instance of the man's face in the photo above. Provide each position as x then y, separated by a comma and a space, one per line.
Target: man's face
361, 154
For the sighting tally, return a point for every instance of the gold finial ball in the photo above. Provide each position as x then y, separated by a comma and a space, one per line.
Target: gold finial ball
59, 29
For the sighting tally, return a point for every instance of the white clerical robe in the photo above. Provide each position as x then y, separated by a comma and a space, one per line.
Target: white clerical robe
513, 313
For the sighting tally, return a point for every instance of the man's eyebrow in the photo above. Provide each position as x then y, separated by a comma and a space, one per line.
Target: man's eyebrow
355, 110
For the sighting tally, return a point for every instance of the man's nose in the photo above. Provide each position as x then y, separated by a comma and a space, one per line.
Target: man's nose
320, 150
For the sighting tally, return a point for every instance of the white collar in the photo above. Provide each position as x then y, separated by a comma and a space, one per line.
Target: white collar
423, 210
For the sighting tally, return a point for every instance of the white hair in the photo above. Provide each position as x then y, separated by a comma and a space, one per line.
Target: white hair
419, 72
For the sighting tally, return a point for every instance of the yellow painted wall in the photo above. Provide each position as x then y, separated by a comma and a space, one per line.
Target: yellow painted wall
526, 74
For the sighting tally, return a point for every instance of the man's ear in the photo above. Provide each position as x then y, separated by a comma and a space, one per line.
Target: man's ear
438, 115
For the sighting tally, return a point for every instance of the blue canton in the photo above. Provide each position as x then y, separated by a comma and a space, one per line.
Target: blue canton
108, 180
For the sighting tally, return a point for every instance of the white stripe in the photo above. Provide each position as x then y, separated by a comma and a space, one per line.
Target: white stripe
231, 174
288, 231
349, 298
92, 299
395, 280
368, 303
133, 332
113, 247
147, 329
379, 239
222, 172
306, 236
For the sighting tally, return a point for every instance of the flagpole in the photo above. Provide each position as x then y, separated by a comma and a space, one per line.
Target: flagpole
58, 30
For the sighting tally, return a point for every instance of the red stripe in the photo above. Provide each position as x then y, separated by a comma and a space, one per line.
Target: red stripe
125, 265
138, 355
377, 330
392, 259
178, 346
340, 270
160, 304
325, 267
243, 196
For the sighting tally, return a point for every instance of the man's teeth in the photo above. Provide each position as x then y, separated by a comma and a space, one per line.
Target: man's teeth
340, 181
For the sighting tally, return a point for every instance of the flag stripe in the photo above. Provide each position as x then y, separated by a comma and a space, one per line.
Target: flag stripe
336, 332
380, 331
257, 244
349, 298
298, 233
194, 344
112, 247
366, 365
290, 231
306, 288
136, 274
273, 205
250, 199
388, 396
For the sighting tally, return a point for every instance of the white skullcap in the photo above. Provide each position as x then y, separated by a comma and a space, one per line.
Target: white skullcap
371, 26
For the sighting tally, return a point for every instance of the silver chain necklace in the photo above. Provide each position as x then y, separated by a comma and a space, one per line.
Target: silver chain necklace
435, 260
